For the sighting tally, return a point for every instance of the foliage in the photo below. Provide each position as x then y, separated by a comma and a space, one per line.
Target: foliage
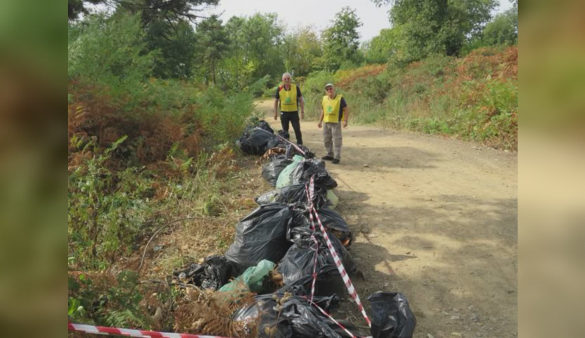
435, 26
222, 115
107, 210
503, 29
383, 47
105, 300
109, 53
212, 46
341, 40
176, 43
301, 51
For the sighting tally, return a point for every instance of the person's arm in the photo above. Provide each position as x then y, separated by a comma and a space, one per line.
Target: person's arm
276, 98
344, 112
302, 102
321, 118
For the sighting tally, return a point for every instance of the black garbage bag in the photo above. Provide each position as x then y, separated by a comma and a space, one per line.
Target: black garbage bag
264, 125
335, 224
256, 141
296, 267
294, 195
302, 174
285, 314
292, 151
212, 274
272, 169
391, 315
261, 235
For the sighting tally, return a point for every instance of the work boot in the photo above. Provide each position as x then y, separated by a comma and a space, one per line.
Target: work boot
327, 158
335, 161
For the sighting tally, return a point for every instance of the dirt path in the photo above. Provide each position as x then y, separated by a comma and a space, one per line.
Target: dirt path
435, 219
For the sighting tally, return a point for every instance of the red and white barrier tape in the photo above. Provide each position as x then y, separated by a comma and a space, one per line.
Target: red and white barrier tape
348, 284
104, 330
310, 201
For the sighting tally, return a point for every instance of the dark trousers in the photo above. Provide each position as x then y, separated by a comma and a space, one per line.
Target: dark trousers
293, 118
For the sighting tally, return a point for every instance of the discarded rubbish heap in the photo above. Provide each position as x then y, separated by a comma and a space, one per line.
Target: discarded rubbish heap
289, 259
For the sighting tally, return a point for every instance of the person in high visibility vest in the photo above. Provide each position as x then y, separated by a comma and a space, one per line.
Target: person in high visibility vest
333, 112
290, 98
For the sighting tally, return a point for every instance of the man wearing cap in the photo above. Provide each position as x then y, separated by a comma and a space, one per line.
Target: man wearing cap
333, 112
290, 98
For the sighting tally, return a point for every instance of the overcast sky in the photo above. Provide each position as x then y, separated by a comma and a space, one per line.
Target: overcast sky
315, 13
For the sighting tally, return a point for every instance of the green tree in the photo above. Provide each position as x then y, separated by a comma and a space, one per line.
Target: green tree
176, 43
341, 41
77, 7
436, 26
109, 51
212, 45
300, 50
503, 29
257, 41
382, 47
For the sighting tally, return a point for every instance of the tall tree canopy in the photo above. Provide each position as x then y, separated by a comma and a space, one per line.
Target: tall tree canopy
503, 29
341, 41
436, 26
258, 40
212, 45
382, 47
300, 51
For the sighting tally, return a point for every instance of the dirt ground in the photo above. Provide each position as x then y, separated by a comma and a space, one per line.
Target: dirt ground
435, 219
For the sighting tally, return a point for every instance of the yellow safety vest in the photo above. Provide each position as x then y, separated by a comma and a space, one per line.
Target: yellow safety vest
288, 99
331, 108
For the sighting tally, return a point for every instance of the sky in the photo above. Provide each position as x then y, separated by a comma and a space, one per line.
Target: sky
314, 13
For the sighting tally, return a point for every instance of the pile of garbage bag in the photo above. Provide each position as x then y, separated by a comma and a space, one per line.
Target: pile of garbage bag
281, 254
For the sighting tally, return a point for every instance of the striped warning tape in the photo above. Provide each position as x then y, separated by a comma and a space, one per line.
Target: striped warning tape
315, 242
104, 330
348, 284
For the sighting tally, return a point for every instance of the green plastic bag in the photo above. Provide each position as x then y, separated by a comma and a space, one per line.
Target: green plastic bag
251, 278
284, 177
332, 199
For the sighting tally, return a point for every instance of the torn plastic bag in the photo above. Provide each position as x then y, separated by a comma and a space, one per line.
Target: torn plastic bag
269, 197
296, 267
290, 315
261, 235
252, 279
212, 274
293, 195
256, 141
272, 169
334, 223
391, 315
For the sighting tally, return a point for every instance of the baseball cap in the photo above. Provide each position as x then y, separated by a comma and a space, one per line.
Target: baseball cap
328, 85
